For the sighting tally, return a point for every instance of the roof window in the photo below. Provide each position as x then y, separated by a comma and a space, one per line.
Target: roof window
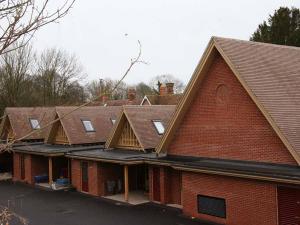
159, 127
35, 124
88, 126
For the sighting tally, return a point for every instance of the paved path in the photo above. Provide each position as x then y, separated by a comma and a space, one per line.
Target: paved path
71, 208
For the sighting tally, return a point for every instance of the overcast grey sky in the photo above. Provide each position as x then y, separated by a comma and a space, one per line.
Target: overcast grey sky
173, 33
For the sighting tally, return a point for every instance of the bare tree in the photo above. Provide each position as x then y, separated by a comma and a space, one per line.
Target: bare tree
96, 88
57, 74
15, 79
20, 19
133, 62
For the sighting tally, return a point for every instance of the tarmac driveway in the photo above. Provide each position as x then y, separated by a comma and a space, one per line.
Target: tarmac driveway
42, 207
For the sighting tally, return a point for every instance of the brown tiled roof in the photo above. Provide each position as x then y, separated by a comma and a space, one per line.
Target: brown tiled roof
272, 72
164, 99
19, 118
100, 117
141, 119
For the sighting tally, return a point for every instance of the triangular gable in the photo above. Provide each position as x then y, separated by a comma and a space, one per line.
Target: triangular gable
123, 135
57, 134
145, 101
7, 131
192, 88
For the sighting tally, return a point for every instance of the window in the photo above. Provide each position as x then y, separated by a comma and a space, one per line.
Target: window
88, 126
35, 124
113, 121
159, 126
212, 206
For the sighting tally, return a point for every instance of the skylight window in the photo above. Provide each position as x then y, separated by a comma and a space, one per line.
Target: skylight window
113, 121
88, 126
159, 127
35, 124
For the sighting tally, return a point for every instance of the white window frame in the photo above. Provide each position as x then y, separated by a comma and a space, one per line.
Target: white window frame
160, 128
88, 126
35, 126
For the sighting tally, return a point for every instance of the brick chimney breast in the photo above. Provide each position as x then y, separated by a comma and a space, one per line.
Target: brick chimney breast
170, 88
162, 89
131, 94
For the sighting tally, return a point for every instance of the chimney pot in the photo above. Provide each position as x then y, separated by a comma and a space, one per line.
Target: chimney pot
170, 88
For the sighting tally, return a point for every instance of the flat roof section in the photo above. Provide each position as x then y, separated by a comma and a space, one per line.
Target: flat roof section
53, 150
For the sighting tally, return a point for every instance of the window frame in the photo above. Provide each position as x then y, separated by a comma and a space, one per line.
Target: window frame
156, 128
216, 214
38, 127
85, 128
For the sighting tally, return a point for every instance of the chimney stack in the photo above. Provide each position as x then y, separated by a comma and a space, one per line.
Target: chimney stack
170, 88
131, 94
162, 89
104, 99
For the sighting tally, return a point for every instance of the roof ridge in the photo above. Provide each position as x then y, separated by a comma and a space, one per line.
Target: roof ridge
215, 38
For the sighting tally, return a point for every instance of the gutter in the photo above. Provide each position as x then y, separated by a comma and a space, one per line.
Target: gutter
192, 169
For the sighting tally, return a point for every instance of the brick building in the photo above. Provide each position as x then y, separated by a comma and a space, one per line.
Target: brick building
84, 129
16, 124
231, 152
119, 170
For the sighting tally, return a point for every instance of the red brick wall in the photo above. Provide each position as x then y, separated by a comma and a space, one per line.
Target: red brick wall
163, 185
76, 174
28, 169
247, 202
34, 165
150, 173
169, 186
16, 165
93, 178
174, 187
223, 122
99, 174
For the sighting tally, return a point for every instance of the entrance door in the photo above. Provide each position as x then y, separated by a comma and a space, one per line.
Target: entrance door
288, 206
156, 184
22, 166
84, 177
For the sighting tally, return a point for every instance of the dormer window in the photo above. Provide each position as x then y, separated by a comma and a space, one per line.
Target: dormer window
113, 121
88, 126
35, 124
159, 126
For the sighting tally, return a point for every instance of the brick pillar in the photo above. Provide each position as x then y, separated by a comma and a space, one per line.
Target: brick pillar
93, 178
163, 185
17, 169
28, 169
150, 171
76, 174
